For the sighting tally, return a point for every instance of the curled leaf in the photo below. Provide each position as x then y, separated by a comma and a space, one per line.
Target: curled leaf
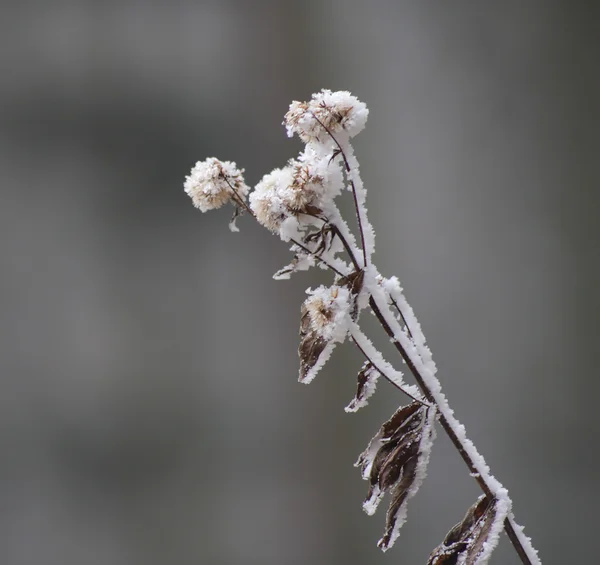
395, 461
399, 495
367, 380
471, 541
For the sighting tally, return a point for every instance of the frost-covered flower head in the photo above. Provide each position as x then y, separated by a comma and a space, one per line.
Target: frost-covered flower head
300, 188
213, 183
336, 112
326, 312
324, 322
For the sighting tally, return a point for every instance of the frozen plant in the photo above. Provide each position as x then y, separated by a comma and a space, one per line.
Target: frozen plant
298, 203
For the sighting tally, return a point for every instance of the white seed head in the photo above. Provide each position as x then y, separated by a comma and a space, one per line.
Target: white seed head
213, 183
333, 112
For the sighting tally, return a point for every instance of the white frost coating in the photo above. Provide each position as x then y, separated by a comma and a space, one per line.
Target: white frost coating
328, 310
381, 364
361, 199
425, 446
319, 163
370, 505
501, 510
372, 376
323, 358
336, 219
530, 551
394, 289
266, 200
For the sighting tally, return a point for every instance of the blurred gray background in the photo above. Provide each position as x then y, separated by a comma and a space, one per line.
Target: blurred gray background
149, 409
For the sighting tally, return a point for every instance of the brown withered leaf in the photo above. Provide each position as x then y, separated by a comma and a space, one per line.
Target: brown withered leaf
365, 386
311, 343
402, 420
354, 283
309, 351
395, 462
466, 539
399, 494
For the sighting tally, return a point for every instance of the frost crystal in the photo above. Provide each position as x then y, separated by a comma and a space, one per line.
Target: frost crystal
327, 111
213, 183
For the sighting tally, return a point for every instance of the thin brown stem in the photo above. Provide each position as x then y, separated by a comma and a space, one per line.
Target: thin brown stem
508, 527
317, 257
239, 200
346, 246
402, 316
385, 376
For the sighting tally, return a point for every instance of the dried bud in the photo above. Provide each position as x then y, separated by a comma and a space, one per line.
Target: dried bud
326, 113
213, 183
323, 324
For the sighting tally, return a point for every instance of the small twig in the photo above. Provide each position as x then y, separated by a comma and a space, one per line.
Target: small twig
385, 376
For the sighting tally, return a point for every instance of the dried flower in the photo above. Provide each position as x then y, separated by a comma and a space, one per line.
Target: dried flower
323, 324
327, 111
213, 183
300, 188
267, 199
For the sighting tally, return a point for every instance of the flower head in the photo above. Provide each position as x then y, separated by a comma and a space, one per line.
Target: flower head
297, 189
326, 113
326, 312
213, 183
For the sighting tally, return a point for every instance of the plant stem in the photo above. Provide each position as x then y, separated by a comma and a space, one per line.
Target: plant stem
508, 526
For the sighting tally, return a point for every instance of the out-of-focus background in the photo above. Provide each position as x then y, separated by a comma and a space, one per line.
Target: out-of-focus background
149, 409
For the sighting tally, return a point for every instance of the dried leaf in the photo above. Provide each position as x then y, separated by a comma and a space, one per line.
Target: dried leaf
354, 283
366, 382
403, 415
395, 461
465, 542
310, 350
399, 496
